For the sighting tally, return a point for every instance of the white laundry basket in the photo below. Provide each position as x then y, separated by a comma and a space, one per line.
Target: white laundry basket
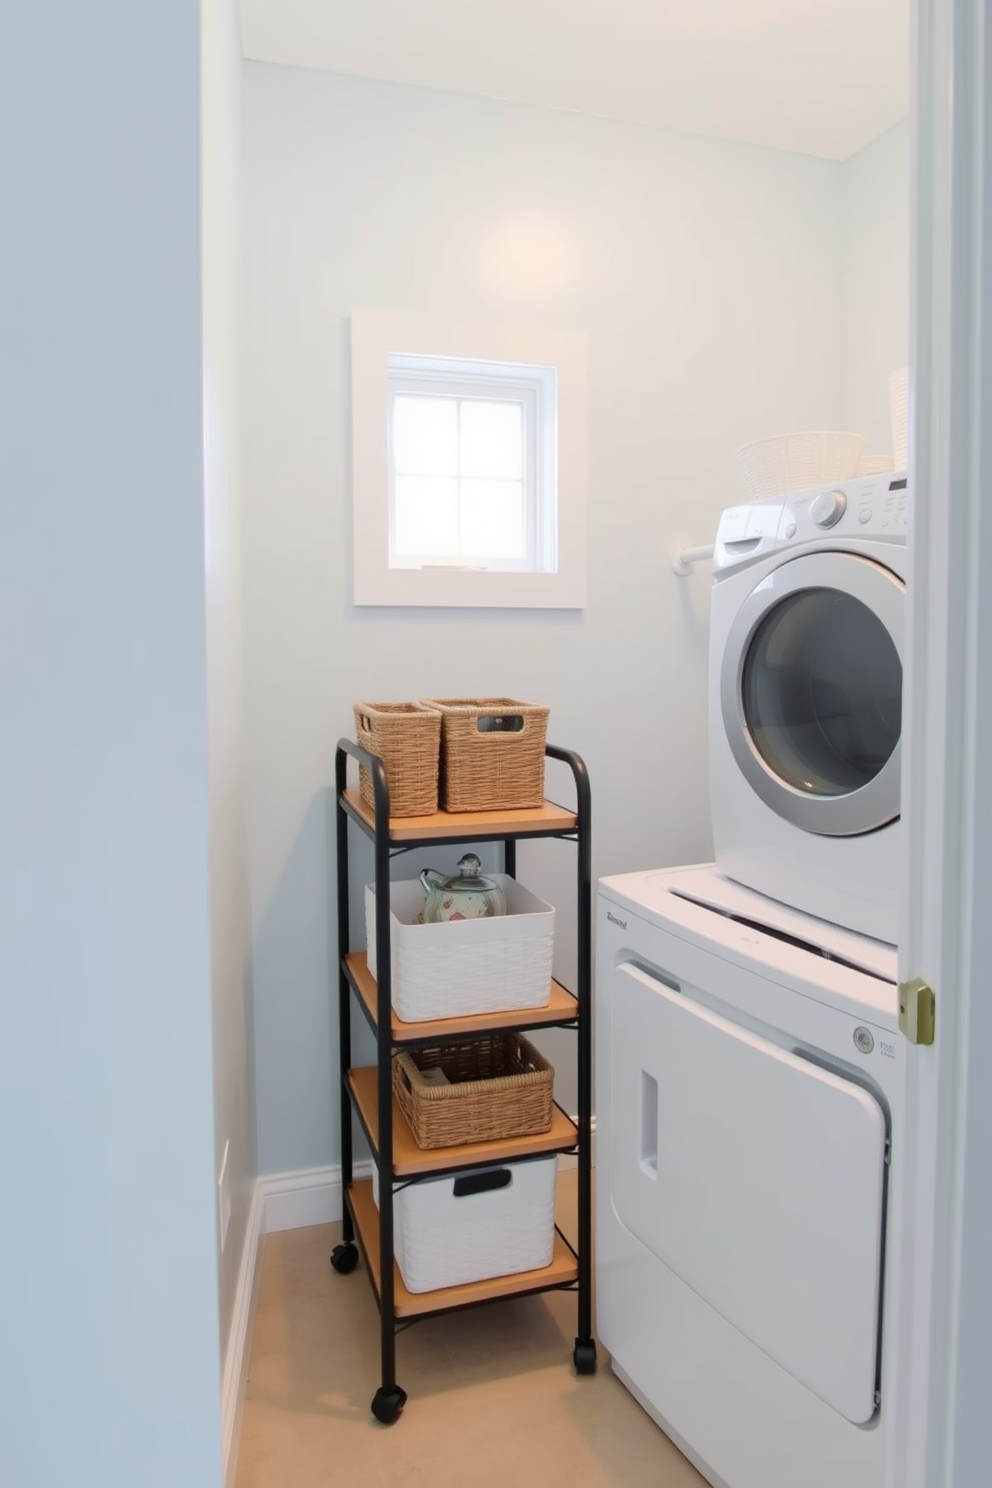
459, 967
794, 462
875, 464
899, 416
472, 1225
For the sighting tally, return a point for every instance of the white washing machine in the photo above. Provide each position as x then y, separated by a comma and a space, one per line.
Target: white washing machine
747, 1090
806, 648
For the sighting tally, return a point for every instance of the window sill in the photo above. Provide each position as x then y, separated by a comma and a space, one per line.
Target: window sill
471, 588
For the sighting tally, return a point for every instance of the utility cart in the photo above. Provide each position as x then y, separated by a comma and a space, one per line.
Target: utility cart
369, 1213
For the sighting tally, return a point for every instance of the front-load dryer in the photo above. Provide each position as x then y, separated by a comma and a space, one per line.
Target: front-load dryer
747, 1107
805, 699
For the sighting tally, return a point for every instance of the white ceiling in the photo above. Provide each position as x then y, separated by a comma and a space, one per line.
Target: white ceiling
819, 76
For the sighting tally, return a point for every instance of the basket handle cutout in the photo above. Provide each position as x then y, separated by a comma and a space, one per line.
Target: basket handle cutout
365, 722
476, 1183
504, 723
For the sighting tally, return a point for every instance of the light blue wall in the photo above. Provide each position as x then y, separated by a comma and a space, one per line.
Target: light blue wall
707, 278
109, 1369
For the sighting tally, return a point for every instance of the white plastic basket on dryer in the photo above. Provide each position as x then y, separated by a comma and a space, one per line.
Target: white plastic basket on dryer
899, 416
875, 464
794, 462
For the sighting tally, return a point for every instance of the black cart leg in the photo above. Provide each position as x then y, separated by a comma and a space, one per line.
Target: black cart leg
389, 1399
584, 1355
344, 1257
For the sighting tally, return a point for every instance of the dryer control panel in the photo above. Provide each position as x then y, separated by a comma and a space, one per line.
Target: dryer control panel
869, 506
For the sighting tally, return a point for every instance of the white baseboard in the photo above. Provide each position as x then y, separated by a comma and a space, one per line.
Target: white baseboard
310, 1196
238, 1347
279, 1201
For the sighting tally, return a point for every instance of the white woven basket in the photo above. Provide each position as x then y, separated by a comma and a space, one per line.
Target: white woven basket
444, 1236
899, 416
794, 462
875, 464
465, 966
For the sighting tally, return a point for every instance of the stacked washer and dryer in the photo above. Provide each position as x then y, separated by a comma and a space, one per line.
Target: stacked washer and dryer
747, 1012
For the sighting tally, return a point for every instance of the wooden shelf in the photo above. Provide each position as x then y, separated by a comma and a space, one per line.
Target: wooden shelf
563, 1270
536, 820
562, 1008
409, 1159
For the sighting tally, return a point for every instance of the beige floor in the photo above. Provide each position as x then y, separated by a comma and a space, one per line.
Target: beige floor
493, 1399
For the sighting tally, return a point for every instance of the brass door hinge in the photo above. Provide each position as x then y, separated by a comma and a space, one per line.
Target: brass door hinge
917, 1011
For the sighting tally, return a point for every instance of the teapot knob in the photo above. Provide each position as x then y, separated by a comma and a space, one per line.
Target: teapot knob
470, 866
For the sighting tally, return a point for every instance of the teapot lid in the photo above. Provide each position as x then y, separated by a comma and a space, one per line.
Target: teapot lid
469, 878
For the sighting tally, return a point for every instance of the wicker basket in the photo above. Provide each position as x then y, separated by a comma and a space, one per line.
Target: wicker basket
498, 1086
795, 462
406, 737
492, 753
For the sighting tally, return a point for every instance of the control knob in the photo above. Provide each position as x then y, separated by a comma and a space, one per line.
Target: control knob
827, 509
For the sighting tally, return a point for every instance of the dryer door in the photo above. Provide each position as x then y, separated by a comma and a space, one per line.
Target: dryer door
811, 692
758, 1178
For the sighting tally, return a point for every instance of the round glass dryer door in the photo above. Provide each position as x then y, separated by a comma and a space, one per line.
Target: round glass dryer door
812, 692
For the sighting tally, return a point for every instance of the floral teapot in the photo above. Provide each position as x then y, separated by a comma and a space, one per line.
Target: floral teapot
464, 896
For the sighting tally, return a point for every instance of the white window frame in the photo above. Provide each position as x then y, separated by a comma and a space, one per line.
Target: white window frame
516, 355
534, 390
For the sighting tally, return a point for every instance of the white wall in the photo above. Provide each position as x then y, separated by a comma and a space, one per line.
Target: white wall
876, 281
702, 275
234, 1114
108, 1348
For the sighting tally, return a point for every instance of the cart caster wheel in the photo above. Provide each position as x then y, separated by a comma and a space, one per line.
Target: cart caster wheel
344, 1258
387, 1404
584, 1357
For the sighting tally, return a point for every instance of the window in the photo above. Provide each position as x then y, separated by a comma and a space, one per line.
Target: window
465, 491
471, 465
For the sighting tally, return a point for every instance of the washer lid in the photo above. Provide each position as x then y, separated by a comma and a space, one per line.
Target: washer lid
811, 692
702, 907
